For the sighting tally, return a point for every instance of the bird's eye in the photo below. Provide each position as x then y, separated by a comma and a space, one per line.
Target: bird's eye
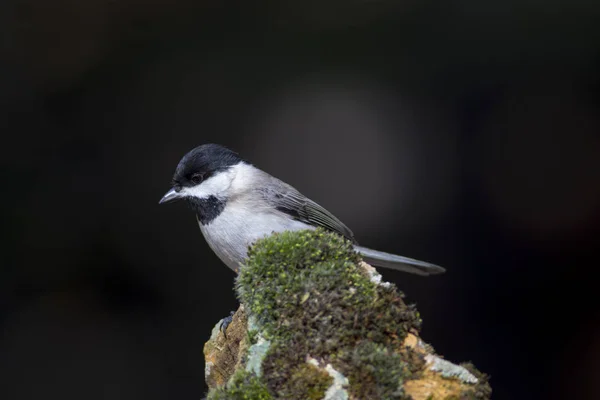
197, 178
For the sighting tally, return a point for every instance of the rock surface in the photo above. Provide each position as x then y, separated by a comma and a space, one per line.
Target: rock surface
303, 331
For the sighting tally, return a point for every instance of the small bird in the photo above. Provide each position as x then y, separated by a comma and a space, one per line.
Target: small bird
236, 204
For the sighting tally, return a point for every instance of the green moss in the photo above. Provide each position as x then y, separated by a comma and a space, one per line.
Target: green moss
306, 382
242, 386
293, 276
284, 269
252, 336
374, 371
310, 297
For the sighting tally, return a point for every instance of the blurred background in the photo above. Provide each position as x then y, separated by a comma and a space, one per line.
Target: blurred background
465, 133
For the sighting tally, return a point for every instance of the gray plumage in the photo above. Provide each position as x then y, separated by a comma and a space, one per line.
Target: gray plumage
237, 203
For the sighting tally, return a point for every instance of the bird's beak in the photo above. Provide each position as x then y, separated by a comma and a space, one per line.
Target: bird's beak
170, 196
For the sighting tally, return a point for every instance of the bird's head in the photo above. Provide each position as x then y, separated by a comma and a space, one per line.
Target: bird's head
202, 173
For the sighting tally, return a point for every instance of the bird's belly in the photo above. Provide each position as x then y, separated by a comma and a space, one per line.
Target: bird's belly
230, 234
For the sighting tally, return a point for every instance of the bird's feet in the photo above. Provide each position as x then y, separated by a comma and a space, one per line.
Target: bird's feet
225, 323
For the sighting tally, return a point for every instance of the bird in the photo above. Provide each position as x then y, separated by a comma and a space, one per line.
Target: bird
237, 203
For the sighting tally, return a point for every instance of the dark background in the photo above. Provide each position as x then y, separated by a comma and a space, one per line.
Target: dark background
466, 134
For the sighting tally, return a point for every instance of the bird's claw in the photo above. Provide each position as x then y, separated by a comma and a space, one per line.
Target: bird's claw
225, 323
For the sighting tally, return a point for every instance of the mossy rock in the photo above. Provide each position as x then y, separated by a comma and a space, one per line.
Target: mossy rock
331, 330
242, 386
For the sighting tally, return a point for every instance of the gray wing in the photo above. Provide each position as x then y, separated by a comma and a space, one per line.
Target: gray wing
288, 200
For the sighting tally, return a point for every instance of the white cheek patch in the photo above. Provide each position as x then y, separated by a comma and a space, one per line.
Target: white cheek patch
217, 185
245, 175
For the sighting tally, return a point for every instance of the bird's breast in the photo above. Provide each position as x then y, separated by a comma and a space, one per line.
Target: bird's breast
236, 228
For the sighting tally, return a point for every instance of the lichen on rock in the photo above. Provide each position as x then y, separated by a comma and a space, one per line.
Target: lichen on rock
256, 354
314, 308
449, 370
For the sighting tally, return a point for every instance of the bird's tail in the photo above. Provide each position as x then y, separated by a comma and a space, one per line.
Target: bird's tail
399, 263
